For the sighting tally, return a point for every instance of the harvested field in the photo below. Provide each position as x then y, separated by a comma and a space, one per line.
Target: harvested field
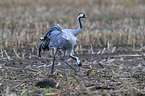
101, 74
111, 48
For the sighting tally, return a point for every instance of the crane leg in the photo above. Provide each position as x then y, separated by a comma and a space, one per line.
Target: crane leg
53, 62
63, 59
70, 66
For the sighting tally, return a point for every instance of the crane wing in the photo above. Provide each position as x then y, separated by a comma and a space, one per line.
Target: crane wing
55, 27
54, 30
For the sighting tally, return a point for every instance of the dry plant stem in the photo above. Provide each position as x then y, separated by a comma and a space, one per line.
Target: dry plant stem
103, 51
92, 52
51, 54
57, 83
108, 47
7, 89
30, 56
104, 38
70, 86
99, 52
81, 84
23, 55
19, 84
80, 48
22, 93
26, 86
105, 93
6, 44
113, 50
16, 53
7, 55
50, 94
133, 55
37, 49
91, 87
2, 53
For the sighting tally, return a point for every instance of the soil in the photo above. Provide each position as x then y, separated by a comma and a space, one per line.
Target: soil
107, 71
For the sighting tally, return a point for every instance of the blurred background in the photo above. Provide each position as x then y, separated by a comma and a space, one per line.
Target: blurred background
111, 22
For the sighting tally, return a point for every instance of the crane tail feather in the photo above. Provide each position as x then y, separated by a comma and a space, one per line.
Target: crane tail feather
43, 47
40, 50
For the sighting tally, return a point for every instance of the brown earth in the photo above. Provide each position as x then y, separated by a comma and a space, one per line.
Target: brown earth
112, 73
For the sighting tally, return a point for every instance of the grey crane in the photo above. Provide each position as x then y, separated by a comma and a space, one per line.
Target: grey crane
63, 40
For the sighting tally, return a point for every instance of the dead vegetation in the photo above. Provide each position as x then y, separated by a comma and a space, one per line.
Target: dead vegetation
107, 75
111, 47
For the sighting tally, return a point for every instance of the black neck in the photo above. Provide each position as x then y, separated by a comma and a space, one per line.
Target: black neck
79, 20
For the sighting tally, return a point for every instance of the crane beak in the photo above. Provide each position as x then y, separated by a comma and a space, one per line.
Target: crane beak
86, 17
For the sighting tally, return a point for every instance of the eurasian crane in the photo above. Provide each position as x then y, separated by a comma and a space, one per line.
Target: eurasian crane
63, 40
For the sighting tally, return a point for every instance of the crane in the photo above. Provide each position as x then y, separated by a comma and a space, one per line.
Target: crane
62, 40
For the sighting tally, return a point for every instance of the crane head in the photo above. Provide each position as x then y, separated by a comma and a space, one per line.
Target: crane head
79, 62
82, 15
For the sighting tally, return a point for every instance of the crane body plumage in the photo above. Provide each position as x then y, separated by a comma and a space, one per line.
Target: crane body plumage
74, 32
63, 40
